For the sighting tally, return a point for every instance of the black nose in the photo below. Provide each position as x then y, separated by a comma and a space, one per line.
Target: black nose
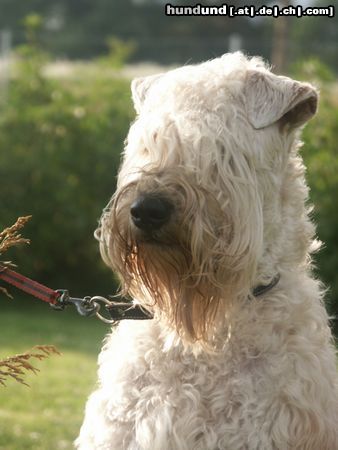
150, 212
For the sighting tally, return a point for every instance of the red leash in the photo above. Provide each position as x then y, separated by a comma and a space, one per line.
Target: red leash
29, 286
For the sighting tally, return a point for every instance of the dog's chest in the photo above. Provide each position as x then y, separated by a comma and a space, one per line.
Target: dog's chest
169, 394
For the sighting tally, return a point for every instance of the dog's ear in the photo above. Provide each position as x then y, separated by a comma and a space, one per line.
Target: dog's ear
270, 98
140, 88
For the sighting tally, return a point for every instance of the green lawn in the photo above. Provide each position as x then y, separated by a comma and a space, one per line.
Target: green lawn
47, 415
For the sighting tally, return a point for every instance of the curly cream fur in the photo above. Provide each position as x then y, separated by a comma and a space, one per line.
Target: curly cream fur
216, 368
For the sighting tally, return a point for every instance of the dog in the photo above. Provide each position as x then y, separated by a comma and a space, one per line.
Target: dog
209, 232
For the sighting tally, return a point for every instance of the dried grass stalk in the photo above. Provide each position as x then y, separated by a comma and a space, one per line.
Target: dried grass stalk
17, 366
11, 237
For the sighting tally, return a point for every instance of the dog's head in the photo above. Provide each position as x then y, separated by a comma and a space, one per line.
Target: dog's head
198, 185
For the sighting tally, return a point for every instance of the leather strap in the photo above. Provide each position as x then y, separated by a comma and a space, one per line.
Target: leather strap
262, 289
127, 311
27, 285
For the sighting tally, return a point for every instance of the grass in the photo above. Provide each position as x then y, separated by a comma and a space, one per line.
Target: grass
48, 414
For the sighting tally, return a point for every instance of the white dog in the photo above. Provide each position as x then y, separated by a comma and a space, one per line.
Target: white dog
208, 230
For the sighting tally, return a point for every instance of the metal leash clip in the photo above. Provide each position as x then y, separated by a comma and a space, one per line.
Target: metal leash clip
97, 299
86, 306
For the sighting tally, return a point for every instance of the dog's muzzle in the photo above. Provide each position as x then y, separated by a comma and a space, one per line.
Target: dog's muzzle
150, 212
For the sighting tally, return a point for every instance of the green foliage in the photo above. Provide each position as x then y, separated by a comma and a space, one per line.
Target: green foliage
30, 62
61, 144
320, 154
119, 52
32, 24
313, 69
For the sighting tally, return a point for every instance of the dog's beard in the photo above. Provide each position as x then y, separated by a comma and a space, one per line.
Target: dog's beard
189, 272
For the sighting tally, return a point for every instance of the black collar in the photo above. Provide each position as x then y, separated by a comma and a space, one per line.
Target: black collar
262, 288
126, 310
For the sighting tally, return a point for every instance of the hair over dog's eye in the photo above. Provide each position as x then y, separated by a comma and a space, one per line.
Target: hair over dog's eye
222, 151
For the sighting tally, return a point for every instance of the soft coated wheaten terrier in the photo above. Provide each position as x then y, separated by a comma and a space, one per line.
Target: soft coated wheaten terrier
208, 230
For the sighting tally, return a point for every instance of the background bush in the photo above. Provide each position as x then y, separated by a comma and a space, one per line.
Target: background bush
61, 144
321, 158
